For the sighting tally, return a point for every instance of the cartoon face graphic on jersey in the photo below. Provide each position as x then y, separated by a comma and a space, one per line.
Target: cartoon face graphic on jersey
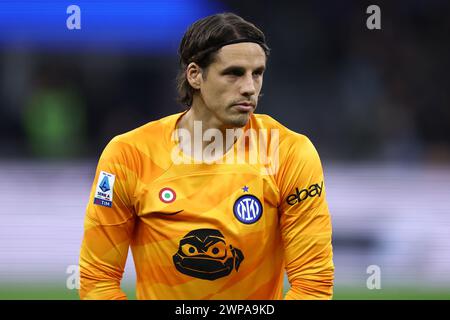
204, 254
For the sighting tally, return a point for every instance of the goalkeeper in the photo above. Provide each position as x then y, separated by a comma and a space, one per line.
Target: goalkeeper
215, 202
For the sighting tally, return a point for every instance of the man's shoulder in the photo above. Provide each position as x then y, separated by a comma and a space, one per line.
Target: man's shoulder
149, 139
150, 131
286, 135
294, 149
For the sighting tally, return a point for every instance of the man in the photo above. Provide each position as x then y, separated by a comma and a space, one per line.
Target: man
203, 224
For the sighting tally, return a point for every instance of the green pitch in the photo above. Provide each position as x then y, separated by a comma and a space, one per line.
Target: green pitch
54, 292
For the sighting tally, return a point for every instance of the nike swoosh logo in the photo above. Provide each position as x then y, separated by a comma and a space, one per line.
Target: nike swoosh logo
169, 213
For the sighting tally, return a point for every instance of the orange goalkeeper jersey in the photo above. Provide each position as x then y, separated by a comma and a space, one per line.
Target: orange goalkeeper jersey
207, 230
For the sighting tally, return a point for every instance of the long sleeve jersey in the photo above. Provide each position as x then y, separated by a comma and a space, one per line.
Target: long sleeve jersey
222, 230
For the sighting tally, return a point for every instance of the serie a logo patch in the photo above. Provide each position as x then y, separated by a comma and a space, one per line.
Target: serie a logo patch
248, 209
104, 189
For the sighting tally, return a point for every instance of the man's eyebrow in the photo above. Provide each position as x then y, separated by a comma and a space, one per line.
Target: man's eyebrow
239, 69
260, 69
233, 69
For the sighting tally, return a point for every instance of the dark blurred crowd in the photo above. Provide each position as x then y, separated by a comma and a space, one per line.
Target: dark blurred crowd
359, 94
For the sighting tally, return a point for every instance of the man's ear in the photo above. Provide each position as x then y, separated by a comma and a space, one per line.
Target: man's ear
194, 75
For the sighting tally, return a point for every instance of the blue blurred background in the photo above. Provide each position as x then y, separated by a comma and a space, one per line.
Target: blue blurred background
376, 103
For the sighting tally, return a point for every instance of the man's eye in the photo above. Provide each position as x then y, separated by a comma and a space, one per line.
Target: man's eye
234, 73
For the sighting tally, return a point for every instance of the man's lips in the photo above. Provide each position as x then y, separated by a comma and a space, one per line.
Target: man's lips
244, 106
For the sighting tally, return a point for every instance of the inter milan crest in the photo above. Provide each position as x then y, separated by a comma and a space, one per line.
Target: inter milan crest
248, 209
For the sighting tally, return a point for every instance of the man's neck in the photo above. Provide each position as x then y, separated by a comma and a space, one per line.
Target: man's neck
197, 123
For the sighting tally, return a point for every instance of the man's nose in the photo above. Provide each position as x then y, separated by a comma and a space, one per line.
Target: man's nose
248, 85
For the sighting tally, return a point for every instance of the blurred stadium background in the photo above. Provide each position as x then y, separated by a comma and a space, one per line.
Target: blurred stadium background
375, 103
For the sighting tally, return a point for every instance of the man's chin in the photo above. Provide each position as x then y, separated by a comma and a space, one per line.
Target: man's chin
239, 121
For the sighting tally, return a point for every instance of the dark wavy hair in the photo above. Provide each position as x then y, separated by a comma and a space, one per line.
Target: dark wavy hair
204, 38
